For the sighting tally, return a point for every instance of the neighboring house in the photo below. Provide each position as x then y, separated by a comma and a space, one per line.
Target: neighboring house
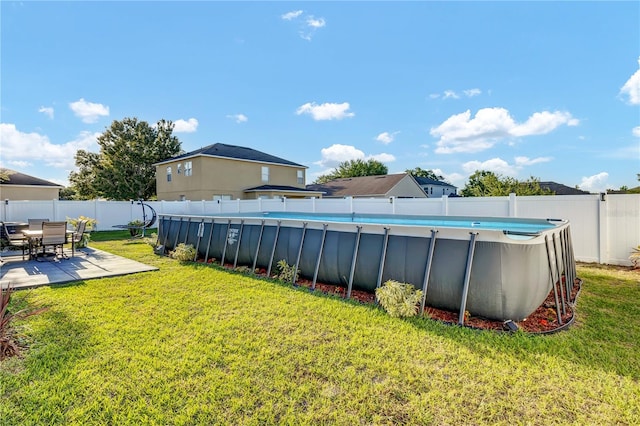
401, 185
20, 186
560, 189
229, 172
436, 188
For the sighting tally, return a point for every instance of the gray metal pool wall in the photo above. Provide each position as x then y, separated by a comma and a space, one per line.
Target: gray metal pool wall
485, 272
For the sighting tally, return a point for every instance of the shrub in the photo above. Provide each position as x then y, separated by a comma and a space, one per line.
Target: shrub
86, 236
287, 272
183, 252
152, 240
635, 257
399, 299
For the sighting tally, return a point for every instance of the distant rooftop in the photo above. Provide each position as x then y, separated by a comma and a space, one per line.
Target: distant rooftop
362, 186
17, 178
560, 189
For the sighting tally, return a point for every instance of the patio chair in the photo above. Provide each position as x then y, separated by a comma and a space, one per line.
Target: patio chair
15, 239
54, 234
36, 224
76, 237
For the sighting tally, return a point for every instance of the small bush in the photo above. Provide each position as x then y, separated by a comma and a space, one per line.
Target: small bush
287, 272
635, 257
183, 252
399, 299
152, 240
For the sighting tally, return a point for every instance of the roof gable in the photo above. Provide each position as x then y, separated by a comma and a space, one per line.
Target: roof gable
236, 153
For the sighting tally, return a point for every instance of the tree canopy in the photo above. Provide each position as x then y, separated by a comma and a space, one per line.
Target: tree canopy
123, 169
484, 183
430, 174
355, 168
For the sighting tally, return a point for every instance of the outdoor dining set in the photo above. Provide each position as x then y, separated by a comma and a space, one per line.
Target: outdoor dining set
42, 238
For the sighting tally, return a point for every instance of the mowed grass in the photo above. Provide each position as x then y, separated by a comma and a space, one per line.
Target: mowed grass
194, 344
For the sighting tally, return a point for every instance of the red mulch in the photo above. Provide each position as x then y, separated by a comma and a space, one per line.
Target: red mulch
542, 320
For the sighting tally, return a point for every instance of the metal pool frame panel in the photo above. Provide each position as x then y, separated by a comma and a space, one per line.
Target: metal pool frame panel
494, 274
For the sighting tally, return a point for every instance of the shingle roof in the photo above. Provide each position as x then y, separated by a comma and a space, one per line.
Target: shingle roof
235, 152
428, 181
359, 186
17, 178
560, 189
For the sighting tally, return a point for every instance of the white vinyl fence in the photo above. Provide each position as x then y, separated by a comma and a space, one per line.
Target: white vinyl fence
604, 227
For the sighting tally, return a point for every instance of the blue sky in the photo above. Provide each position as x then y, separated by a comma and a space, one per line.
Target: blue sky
543, 89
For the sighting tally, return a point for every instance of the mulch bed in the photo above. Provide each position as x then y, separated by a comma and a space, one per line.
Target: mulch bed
543, 320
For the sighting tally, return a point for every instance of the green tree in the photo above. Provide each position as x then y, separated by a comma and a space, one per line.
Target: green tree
430, 174
355, 168
483, 183
123, 169
4, 174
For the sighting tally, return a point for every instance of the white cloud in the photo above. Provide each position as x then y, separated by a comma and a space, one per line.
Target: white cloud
185, 126
326, 111
461, 133
20, 146
470, 93
595, 183
239, 118
308, 26
337, 154
48, 111
636, 131
315, 23
291, 15
500, 166
450, 94
496, 165
383, 157
543, 122
632, 88
386, 137
89, 112
526, 161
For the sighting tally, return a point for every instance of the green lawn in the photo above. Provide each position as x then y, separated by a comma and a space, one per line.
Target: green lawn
193, 344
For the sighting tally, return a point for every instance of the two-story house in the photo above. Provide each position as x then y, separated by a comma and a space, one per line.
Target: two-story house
436, 188
226, 172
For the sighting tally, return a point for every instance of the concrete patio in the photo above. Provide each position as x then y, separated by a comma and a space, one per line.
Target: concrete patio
88, 263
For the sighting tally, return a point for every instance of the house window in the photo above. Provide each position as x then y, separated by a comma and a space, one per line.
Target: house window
300, 177
221, 197
188, 171
265, 174
169, 174
179, 168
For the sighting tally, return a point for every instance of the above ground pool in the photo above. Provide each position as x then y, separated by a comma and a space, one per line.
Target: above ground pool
497, 268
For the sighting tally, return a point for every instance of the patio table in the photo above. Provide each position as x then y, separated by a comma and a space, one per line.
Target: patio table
34, 237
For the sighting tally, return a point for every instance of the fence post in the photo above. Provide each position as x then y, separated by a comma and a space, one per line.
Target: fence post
445, 205
603, 252
513, 205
